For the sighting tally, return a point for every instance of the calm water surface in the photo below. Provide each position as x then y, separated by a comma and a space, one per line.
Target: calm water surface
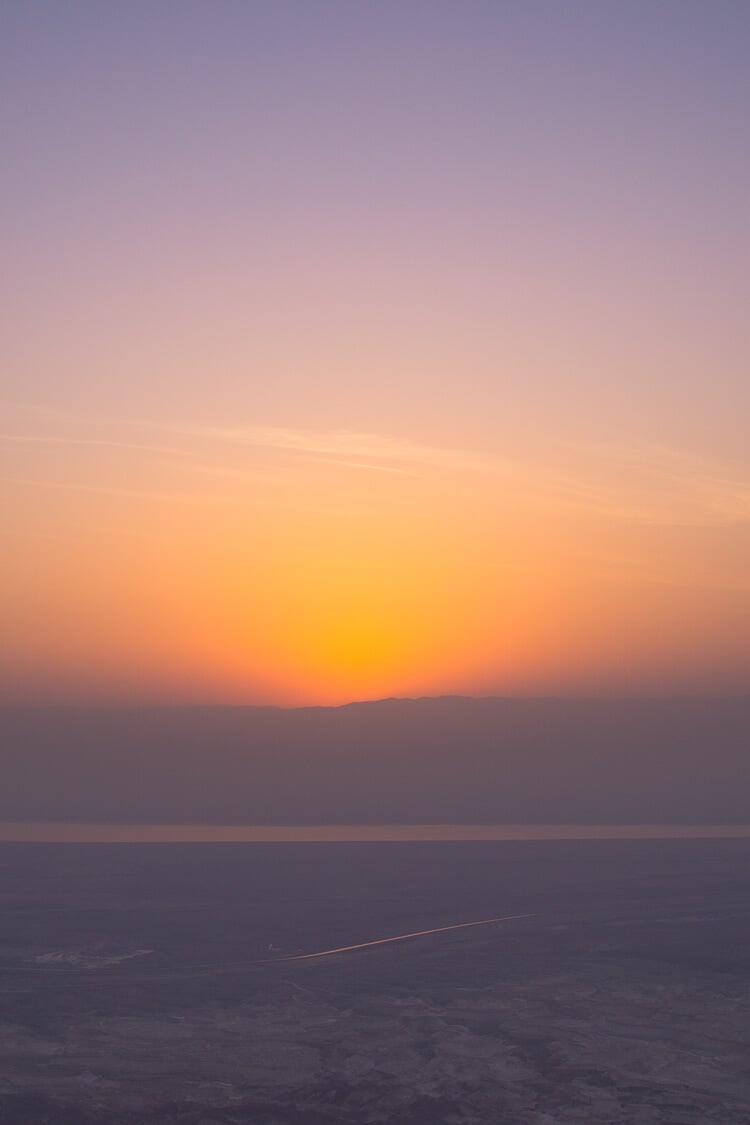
316, 833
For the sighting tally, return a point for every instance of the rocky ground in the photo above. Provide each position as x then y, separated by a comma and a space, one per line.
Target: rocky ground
625, 998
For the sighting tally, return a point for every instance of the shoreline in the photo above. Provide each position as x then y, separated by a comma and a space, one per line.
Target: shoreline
93, 833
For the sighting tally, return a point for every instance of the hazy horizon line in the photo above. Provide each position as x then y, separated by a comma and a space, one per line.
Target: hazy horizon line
150, 705
93, 832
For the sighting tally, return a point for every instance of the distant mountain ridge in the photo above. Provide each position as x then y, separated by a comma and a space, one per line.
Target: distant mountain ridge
445, 759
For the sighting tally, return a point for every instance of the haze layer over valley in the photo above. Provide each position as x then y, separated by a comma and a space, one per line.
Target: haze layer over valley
431, 761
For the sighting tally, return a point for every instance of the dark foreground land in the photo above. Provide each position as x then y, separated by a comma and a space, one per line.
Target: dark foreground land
129, 994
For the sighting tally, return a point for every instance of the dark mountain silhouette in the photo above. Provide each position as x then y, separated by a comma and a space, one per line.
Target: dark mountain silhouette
443, 760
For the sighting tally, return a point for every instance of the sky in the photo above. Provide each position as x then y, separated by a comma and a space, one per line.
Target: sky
353, 350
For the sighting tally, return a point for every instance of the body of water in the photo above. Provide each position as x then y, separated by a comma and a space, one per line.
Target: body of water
320, 833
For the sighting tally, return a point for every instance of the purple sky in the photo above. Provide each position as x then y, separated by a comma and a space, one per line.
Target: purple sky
354, 349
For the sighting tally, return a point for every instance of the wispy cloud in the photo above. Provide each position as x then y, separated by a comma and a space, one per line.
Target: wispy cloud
659, 484
352, 448
108, 443
636, 483
368, 467
348, 448
640, 483
128, 493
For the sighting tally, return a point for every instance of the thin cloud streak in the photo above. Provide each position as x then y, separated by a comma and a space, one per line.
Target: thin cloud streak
129, 493
676, 489
107, 443
641, 484
697, 491
345, 444
370, 468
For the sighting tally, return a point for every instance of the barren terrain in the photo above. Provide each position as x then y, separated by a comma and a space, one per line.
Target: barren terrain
145, 984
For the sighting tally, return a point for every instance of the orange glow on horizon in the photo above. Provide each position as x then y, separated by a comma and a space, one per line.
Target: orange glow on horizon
386, 585
368, 350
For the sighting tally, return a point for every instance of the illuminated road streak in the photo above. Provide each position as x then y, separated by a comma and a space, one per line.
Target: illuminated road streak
398, 937
195, 971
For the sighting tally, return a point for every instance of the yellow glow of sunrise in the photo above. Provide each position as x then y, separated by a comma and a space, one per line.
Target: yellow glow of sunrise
374, 349
294, 569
